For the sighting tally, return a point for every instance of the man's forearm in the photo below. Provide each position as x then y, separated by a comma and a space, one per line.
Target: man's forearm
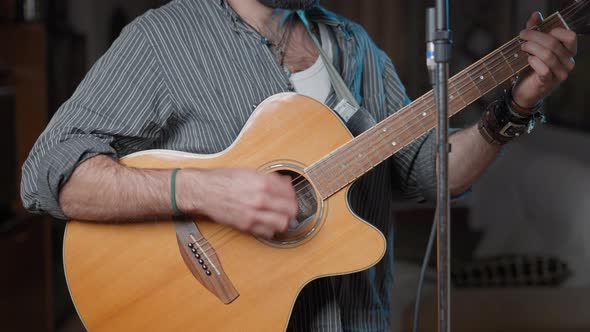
471, 155
100, 189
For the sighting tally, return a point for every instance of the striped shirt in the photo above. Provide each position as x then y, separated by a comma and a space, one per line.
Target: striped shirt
186, 77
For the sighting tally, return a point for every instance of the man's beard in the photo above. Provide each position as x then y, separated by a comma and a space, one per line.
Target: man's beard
290, 4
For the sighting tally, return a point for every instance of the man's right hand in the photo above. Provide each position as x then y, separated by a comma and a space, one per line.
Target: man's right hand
260, 204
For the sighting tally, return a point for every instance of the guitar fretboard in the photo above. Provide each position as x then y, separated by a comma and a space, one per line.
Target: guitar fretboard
369, 149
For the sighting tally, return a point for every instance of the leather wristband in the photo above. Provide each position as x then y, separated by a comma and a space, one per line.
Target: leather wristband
499, 125
504, 119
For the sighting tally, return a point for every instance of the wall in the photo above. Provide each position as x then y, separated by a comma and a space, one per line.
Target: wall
92, 18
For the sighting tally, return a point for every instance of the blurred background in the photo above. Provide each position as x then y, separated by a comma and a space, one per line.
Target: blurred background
520, 256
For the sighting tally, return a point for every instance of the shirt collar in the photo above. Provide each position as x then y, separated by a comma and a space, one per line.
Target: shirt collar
317, 14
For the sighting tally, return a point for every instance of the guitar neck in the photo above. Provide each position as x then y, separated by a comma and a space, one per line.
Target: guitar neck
363, 153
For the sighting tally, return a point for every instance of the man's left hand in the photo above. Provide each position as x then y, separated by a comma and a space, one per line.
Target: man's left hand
551, 57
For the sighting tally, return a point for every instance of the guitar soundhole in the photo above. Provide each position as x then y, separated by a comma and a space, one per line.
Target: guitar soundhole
307, 219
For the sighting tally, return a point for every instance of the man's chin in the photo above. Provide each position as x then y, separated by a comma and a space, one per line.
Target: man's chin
290, 4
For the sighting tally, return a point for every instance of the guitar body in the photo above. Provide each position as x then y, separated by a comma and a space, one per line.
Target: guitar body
132, 277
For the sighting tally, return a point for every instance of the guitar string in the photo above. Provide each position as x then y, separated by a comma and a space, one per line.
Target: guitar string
491, 65
510, 46
547, 25
581, 19
425, 102
418, 106
574, 8
468, 80
516, 43
566, 14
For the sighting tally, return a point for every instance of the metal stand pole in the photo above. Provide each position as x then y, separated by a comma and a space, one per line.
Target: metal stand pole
442, 38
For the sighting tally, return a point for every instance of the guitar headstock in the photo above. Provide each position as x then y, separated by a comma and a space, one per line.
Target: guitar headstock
577, 16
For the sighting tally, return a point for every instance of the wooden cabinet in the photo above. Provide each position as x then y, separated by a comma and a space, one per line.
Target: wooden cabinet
24, 51
26, 284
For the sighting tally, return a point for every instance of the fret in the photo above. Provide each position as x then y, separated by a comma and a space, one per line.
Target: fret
416, 125
336, 171
500, 70
456, 95
406, 130
474, 84
519, 57
455, 105
552, 22
318, 181
428, 114
375, 143
481, 79
327, 180
490, 74
382, 131
345, 167
469, 87
375, 152
428, 105
428, 123
350, 164
353, 162
503, 55
521, 61
362, 160
423, 116
365, 162
381, 154
511, 53
327, 183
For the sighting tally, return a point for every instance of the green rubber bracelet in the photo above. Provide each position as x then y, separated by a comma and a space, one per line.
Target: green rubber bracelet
175, 208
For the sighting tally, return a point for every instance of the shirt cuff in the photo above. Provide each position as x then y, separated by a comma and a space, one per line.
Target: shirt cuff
57, 167
426, 169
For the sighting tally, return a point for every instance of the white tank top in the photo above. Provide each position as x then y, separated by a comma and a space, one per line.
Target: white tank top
315, 82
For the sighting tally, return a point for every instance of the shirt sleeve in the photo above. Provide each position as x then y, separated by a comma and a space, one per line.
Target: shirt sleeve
415, 164
119, 108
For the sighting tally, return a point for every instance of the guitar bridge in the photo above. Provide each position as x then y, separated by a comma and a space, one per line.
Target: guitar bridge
202, 260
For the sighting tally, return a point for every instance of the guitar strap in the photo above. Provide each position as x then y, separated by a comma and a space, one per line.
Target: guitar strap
357, 119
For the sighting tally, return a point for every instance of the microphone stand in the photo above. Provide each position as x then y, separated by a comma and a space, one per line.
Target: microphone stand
439, 70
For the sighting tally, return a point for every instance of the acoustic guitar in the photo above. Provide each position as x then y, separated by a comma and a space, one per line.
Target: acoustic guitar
196, 275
